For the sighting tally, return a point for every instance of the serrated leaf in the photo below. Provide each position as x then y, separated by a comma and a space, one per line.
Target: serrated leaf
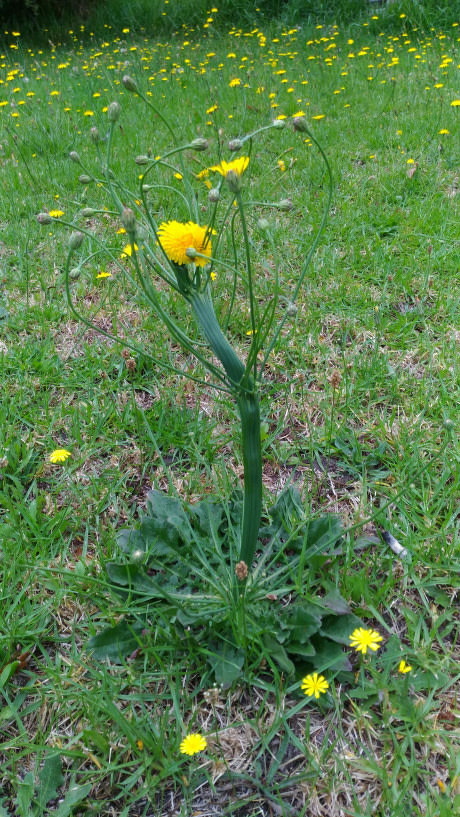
278, 654
25, 795
133, 579
116, 643
339, 628
74, 796
301, 623
226, 662
129, 539
51, 779
322, 533
330, 656
166, 521
335, 602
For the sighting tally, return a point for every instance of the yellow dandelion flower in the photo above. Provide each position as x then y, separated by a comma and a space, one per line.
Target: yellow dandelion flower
59, 455
238, 166
403, 668
314, 685
443, 131
128, 250
455, 103
103, 274
234, 82
319, 116
176, 238
361, 640
192, 744
56, 213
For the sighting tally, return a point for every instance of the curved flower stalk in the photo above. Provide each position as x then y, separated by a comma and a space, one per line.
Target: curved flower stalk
186, 255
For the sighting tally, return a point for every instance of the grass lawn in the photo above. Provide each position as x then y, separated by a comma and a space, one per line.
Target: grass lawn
359, 404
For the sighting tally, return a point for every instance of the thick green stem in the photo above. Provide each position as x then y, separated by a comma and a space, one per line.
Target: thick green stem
247, 399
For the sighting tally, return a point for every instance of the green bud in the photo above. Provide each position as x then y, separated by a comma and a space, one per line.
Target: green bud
142, 160
214, 194
291, 309
129, 84
191, 253
76, 240
234, 182
87, 212
199, 144
147, 187
128, 219
113, 112
285, 204
263, 224
300, 124
279, 123
84, 179
74, 157
75, 273
95, 135
44, 218
235, 144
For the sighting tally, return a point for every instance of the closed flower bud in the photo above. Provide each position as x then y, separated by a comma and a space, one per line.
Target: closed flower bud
286, 205
44, 218
76, 240
279, 123
199, 144
74, 273
263, 224
74, 157
234, 182
190, 252
142, 160
95, 135
147, 187
291, 309
84, 179
128, 219
300, 124
113, 112
235, 144
87, 212
129, 84
214, 194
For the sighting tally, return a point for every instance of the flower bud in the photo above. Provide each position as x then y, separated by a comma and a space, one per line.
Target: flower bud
279, 123
214, 194
128, 219
263, 224
147, 187
199, 144
113, 112
44, 218
191, 253
76, 240
84, 179
300, 124
74, 273
142, 160
234, 182
291, 309
87, 212
74, 157
235, 144
285, 204
95, 135
129, 84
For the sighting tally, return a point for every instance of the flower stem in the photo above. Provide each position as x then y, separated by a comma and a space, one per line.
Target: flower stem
244, 389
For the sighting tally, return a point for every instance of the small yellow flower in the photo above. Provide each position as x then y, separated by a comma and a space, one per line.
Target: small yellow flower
192, 744
234, 82
443, 131
176, 238
103, 274
361, 640
403, 667
455, 103
237, 166
314, 685
56, 213
59, 455
128, 250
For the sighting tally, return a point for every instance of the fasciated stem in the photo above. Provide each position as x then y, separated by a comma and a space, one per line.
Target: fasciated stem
244, 389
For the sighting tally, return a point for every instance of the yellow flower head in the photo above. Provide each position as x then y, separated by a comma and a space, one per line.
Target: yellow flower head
176, 238
192, 744
103, 274
361, 640
237, 166
128, 250
314, 685
59, 455
56, 213
403, 667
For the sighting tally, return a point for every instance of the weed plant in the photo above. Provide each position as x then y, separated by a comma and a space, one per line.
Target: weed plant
360, 418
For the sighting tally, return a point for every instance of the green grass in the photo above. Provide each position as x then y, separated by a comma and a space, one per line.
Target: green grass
360, 402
